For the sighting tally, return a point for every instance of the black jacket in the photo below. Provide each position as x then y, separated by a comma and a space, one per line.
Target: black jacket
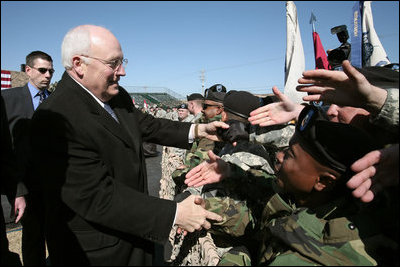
98, 210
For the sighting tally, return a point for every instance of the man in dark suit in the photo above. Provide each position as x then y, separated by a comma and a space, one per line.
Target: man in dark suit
9, 185
20, 103
98, 211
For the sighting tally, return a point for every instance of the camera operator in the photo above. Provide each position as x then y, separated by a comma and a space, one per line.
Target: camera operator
336, 56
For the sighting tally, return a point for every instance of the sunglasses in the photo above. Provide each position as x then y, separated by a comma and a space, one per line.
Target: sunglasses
205, 106
44, 70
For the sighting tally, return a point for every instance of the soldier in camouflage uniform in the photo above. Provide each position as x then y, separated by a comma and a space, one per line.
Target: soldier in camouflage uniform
378, 172
247, 156
195, 102
197, 248
315, 221
381, 120
172, 159
211, 110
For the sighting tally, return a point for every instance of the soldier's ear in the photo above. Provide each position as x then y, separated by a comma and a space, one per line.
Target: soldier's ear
326, 182
220, 110
224, 116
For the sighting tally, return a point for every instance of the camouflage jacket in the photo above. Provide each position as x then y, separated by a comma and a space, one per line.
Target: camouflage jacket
291, 236
302, 236
277, 135
196, 118
196, 155
388, 117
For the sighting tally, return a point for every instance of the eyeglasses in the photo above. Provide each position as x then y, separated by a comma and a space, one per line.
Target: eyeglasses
44, 70
113, 64
205, 106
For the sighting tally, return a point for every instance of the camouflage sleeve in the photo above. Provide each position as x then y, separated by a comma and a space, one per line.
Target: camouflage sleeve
301, 238
236, 216
248, 161
388, 117
243, 206
278, 135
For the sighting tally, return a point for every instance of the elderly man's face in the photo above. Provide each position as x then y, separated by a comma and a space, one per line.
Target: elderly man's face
101, 78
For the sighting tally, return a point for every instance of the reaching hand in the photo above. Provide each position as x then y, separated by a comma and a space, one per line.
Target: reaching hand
209, 130
345, 88
192, 216
374, 171
276, 113
207, 172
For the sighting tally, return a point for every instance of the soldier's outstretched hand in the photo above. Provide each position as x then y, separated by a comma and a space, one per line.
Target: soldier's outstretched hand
346, 88
276, 113
208, 172
375, 171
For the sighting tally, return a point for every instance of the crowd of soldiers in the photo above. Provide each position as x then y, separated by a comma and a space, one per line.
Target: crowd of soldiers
265, 222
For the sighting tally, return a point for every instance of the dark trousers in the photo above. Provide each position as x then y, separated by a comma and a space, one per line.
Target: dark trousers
33, 239
7, 258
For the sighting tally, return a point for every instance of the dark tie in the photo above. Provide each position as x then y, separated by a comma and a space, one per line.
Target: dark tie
42, 96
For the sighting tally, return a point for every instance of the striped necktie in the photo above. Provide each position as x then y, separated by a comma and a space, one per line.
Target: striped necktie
42, 96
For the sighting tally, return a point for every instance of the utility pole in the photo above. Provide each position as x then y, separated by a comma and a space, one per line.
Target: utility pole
202, 79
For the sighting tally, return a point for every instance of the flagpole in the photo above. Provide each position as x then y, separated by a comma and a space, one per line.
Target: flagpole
313, 19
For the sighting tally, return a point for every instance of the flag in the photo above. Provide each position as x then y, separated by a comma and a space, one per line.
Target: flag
294, 60
5, 79
356, 42
321, 60
373, 53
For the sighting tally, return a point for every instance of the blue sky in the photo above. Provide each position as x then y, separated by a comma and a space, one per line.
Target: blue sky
241, 44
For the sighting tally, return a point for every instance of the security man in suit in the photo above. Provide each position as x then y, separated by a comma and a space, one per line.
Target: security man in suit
9, 186
20, 103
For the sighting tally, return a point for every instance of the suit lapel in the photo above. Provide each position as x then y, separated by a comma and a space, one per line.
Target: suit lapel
126, 121
112, 126
98, 112
26, 94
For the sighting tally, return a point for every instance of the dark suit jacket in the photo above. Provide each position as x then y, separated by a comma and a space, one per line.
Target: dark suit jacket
19, 108
9, 178
95, 185
8, 186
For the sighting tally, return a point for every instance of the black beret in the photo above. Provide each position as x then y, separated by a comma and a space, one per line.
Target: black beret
194, 96
241, 103
335, 145
183, 105
217, 88
215, 93
215, 96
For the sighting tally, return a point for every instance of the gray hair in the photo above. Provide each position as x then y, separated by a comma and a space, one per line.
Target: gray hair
76, 42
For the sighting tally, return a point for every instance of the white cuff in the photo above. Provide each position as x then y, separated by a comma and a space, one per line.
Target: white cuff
191, 133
